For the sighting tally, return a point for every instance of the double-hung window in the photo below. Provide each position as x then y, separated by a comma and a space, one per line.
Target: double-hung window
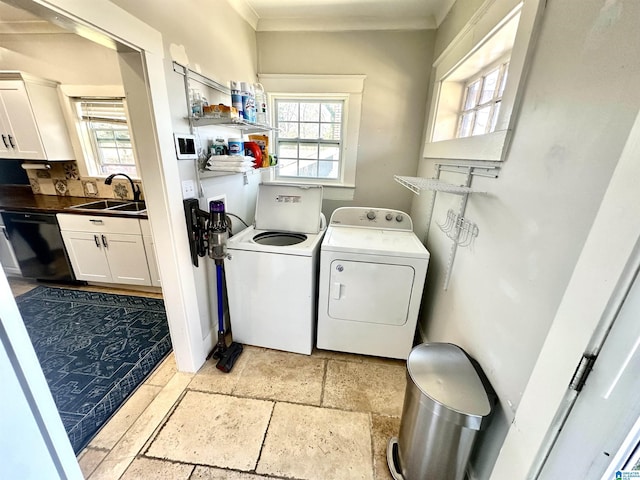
309, 139
316, 120
105, 136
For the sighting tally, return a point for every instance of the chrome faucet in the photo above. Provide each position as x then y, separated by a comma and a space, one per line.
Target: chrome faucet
134, 188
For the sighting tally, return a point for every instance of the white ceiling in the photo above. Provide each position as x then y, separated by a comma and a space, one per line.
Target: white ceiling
304, 15
337, 15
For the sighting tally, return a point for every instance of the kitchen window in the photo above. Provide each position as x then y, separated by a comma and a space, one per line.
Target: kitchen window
309, 137
316, 120
105, 136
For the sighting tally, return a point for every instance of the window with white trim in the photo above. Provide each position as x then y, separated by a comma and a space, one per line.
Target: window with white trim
309, 136
318, 124
105, 136
481, 103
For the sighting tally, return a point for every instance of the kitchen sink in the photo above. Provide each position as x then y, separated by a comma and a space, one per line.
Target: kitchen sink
106, 206
102, 204
131, 207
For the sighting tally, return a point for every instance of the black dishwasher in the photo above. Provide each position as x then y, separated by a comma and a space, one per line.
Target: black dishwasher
37, 243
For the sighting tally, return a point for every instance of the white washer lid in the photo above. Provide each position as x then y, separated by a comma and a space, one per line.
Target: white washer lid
289, 208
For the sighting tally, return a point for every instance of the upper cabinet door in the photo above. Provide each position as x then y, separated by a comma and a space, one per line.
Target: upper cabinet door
21, 133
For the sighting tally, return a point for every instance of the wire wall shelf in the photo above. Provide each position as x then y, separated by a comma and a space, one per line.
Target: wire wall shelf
418, 184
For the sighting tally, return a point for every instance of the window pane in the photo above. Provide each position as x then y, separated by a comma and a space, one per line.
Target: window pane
287, 168
288, 130
309, 131
308, 150
287, 150
106, 144
122, 135
466, 122
330, 131
287, 111
482, 119
472, 95
309, 112
126, 155
104, 134
329, 152
489, 86
331, 112
328, 169
308, 168
503, 82
109, 155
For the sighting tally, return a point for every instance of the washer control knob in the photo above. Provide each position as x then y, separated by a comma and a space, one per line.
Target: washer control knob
399, 218
389, 217
371, 215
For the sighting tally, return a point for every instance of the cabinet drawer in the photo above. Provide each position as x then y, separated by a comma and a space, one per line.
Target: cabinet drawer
98, 223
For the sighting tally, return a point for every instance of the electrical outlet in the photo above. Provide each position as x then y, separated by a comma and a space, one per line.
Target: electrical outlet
188, 189
222, 197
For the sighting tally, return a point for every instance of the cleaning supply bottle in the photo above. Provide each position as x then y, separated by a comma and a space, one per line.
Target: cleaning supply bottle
248, 102
236, 96
261, 104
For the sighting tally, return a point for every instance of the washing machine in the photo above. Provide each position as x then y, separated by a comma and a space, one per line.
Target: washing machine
272, 268
372, 274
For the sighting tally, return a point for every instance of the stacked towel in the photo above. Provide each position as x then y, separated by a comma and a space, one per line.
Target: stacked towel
230, 163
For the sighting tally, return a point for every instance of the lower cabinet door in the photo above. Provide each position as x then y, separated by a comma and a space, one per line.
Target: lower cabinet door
127, 258
152, 261
87, 255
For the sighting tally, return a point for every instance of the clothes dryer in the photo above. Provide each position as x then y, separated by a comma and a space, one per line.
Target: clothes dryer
372, 274
272, 268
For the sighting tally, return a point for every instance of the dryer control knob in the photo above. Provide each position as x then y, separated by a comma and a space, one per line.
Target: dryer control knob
399, 218
389, 217
371, 215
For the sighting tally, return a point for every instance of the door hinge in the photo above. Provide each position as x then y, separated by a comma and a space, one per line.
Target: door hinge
582, 372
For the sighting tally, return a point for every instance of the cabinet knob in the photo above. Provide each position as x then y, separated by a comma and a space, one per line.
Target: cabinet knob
104, 241
11, 141
4, 140
95, 239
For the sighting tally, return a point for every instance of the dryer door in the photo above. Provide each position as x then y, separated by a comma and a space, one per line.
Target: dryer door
370, 292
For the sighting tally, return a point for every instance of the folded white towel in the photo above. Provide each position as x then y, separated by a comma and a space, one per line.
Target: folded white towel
213, 163
231, 158
230, 169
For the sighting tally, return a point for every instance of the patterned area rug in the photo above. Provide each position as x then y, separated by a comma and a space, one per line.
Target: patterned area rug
94, 349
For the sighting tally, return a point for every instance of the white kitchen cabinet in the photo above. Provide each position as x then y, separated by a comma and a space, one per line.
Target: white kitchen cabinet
151, 253
8, 258
32, 125
105, 249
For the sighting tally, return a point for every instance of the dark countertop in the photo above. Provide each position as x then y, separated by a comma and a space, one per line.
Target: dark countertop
22, 199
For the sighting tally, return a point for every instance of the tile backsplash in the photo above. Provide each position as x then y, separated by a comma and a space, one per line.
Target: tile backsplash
63, 179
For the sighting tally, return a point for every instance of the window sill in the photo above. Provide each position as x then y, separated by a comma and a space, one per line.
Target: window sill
480, 147
329, 191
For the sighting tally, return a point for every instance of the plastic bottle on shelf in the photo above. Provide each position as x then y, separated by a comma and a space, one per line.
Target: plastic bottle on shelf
196, 105
236, 96
248, 102
261, 104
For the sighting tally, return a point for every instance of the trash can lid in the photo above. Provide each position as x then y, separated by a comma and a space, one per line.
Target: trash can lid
444, 373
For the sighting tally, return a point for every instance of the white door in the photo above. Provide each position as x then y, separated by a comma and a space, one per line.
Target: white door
370, 292
87, 256
607, 408
24, 136
127, 258
5, 147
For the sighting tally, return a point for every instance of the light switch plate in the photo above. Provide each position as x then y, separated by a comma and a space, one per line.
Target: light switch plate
188, 189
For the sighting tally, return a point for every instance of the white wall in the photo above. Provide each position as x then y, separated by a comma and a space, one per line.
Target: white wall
63, 57
577, 111
218, 43
397, 66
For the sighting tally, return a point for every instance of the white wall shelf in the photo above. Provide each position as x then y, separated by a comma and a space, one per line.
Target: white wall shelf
246, 127
418, 184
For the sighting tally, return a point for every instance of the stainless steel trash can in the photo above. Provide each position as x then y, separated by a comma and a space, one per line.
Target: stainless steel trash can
444, 407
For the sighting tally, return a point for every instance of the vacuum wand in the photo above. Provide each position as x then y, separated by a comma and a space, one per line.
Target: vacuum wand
217, 236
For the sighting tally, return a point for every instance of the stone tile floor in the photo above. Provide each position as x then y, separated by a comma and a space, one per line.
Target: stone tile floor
275, 415
278, 415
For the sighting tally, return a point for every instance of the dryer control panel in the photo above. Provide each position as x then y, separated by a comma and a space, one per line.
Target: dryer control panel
383, 218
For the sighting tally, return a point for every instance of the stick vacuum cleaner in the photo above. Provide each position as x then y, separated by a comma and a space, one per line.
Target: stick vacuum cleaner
226, 355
